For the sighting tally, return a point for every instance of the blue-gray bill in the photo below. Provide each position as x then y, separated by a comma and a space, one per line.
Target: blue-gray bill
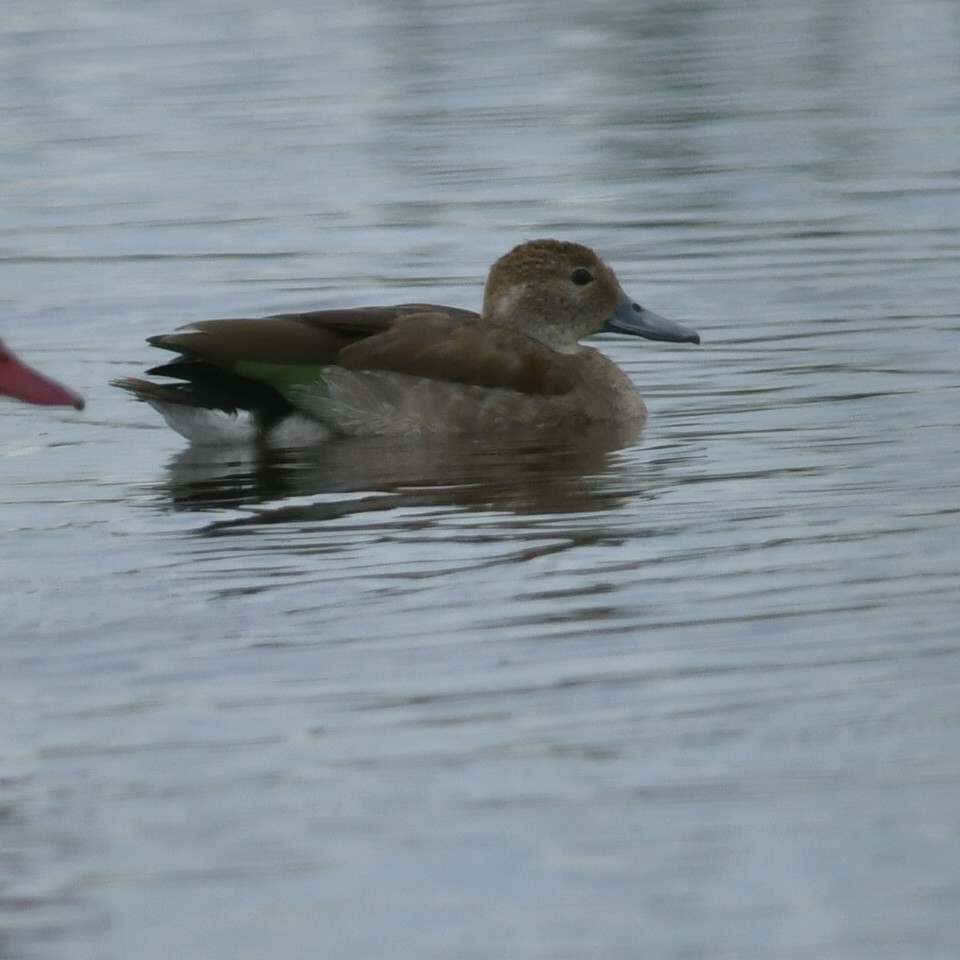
632, 318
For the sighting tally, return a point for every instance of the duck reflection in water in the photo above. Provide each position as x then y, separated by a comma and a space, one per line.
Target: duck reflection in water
522, 475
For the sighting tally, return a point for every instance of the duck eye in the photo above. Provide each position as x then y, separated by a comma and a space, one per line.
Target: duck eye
581, 276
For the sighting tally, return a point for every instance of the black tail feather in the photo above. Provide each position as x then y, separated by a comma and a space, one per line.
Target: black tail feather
207, 387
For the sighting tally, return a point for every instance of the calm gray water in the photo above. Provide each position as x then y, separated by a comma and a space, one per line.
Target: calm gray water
691, 693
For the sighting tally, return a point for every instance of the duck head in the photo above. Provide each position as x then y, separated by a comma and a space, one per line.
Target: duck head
558, 292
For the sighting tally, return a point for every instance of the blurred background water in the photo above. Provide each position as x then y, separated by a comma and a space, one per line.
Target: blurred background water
687, 693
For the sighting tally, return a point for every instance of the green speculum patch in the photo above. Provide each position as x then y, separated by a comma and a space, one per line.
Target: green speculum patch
281, 376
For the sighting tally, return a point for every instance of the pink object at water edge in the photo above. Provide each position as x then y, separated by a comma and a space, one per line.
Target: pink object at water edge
22, 382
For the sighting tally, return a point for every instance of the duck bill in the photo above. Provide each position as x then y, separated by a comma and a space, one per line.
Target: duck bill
24, 383
634, 319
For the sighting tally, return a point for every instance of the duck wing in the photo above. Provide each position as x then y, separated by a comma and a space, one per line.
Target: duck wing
248, 363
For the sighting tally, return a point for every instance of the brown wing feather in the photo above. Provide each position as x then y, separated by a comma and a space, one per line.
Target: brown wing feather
267, 340
315, 337
458, 350
370, 320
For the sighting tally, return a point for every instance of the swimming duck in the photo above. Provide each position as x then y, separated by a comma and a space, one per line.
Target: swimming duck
416, 367
24, 383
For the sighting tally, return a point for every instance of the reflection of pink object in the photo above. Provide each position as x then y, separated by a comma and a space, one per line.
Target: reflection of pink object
23, 382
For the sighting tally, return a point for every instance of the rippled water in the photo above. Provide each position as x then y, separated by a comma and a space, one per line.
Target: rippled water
686, 693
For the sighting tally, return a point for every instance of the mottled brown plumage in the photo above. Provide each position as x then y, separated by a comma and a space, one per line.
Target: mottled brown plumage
416, 368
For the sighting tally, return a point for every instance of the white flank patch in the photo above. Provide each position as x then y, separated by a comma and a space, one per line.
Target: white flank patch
207, 427
217, 428
297, 431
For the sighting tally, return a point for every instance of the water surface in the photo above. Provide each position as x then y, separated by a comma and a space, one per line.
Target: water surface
688, 691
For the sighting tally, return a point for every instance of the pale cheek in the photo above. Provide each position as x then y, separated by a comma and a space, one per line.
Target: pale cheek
506, 303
